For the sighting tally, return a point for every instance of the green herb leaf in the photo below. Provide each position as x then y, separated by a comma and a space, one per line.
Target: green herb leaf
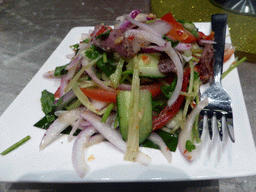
60, 70
168, 89
190, 146
174, 43
92, 53
158, 105
47, 100
103, 36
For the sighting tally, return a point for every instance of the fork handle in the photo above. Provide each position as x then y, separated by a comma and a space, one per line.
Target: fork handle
219, 24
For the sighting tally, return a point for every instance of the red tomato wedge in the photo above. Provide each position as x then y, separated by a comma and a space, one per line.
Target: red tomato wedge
169, 112
110, 97
178, 32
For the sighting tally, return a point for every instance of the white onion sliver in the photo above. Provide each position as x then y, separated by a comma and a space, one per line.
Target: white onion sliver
63, 85
161, 26
98, 81
144, 27
112, 135
98, 104
185, 134
145, 35
75, 126
155, 138
183, 47
78, 151
179, 67
49, 74
95, 140
59, 125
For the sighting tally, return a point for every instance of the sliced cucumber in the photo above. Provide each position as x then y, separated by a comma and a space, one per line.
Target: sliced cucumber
148, 65
145, 108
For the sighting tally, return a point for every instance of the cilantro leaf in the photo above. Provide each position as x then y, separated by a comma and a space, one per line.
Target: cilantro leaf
103, 36
93, 52
190, 146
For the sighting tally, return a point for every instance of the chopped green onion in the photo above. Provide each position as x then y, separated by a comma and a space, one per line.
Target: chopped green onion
107, 112
116, 76
233, 66
188, 99
76, 77
15, 145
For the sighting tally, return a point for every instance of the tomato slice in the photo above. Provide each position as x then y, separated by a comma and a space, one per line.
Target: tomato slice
100, 94
110, 97
169, 112
201, 35
178, 32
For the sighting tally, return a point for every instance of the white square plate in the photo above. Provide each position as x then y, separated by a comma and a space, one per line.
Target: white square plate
53, 164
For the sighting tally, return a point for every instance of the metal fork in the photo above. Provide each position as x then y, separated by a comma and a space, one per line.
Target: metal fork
218, 114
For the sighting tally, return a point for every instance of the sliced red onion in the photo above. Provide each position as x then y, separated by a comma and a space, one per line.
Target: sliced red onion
49, 74
72, 67
63, 84
74, 62
59, 125
70, 56
66, 98
185, 133
98, 81
133, 14
153, 49
155, 138
207, 41
78, 152
112, 135
75, 126
83, 124
124, 87
95, 140
160, 26
179, 67
98, 104
145, 35
183, 47
144, 27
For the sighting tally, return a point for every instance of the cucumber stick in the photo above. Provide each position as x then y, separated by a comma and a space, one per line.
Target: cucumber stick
145, 113
148, 65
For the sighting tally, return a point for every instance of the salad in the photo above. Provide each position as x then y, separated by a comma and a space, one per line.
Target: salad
136, 84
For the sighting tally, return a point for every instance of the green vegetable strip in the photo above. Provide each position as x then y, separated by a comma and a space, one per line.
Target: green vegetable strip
133, 132
16, 145
107, 112
76, 77
85, 101
188, 99
105, 59
233, 66
195, 130
74, 105
115, 77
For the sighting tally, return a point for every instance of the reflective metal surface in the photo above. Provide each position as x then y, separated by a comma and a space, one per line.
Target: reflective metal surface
247, 7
